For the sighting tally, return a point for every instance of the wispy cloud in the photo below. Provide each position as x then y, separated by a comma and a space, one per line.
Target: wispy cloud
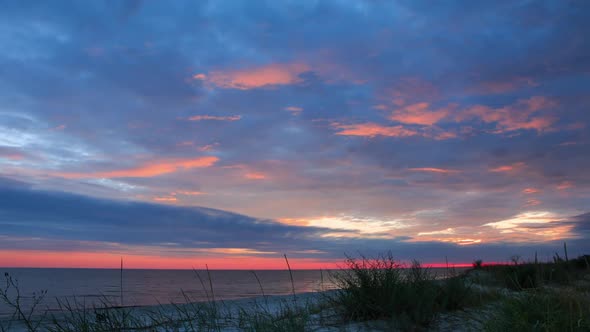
530, 191
215, 118
295, 110
255, 176
256, 77
420, 114
508, 168
534, 226
564, 185
434, 170
372, 130
149, 169
166, 199
519, 115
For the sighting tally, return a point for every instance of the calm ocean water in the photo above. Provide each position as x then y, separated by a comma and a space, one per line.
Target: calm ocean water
150, 287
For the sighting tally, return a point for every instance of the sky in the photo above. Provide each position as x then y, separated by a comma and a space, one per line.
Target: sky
228, 133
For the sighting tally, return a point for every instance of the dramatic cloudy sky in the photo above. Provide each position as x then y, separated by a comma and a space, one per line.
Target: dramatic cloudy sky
231, 132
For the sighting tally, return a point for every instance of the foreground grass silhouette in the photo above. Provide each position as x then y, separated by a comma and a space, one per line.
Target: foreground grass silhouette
377, 294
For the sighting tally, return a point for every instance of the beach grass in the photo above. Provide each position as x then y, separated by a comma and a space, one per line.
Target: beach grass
534, 310
408, 296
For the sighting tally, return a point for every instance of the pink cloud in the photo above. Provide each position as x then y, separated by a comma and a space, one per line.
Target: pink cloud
247, 172
564, 185
532, 202
530, 191
255, 176
11, 154
508, 168
434, 170
200, 76
150, 169
256, 77
420, 114
520, 115
208, 147
372, 130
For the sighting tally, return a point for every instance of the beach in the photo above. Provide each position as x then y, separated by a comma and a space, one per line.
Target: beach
370, 295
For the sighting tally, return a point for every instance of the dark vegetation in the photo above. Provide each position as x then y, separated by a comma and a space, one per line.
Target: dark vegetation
382, 289
520, 296
552, 310
531, 275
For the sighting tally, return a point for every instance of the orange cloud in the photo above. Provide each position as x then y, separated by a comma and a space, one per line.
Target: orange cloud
507, 168
165, 199
257, 77
255, 176
434, 170
373, 130
530, 191
293, 221
520, 115
216, 118
420, 114
149, 170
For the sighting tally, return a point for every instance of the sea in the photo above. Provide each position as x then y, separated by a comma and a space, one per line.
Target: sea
97, 287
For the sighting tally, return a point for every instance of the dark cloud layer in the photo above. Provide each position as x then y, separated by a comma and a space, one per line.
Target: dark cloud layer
44, 220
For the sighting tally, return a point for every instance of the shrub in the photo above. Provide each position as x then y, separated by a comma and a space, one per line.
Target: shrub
455, 294
381, 288
477, 264
522, 276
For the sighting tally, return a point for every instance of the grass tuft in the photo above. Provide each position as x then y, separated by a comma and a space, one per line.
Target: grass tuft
542, 311
381, 288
